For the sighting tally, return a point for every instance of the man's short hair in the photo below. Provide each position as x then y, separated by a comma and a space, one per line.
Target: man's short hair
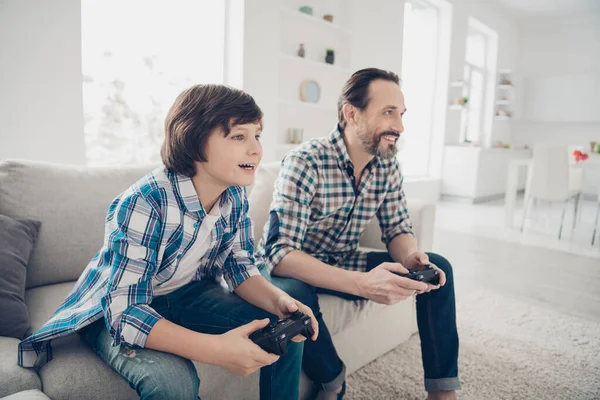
196, 112
356, 89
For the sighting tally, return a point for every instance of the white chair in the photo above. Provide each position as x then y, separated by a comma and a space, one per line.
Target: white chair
553, 179
596, 221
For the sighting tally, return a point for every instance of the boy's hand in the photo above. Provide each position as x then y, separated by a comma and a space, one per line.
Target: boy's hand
287, 305
240, 355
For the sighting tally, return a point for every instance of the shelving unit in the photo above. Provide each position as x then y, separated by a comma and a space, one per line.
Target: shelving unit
315, 21
458, 90
504, 96
317, 35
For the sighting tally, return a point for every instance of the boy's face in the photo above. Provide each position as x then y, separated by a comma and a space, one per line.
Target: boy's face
232, 160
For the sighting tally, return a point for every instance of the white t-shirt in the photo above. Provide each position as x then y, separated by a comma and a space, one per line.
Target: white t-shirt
188, 265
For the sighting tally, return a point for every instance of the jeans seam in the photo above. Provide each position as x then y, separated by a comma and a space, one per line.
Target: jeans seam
432, 336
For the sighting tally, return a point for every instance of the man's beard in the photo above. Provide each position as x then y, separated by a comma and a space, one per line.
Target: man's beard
371, 144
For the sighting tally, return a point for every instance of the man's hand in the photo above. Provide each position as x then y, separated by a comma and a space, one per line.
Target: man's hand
288, 305
382, 286
419, 260
240, 355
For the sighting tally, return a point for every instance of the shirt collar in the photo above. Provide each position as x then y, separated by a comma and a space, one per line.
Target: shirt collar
337, 140
184, 188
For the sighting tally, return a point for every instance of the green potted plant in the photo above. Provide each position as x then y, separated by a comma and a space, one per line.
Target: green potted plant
330, 57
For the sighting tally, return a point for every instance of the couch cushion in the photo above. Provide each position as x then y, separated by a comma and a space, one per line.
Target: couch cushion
13, 378
17, 239
74, 364
340, 314
260, 195
33, 394
44, 300
71, 203
76, 372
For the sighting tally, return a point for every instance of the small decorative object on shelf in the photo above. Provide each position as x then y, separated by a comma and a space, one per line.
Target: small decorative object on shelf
504, 77
580, 155
593, 145
295, 135
503, 113
301, 50
330, 57
306, 10
328, 17
460, 101
310, 91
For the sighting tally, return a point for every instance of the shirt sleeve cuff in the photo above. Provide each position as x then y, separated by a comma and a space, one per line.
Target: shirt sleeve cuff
275, 258
234, 280
397, 232
136, 323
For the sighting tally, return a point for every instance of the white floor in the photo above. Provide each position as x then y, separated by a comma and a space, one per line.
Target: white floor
541, 229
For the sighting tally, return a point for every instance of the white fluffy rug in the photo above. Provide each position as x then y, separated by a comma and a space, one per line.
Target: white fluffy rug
511, 348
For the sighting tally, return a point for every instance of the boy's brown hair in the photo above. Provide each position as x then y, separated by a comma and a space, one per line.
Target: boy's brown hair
196, 112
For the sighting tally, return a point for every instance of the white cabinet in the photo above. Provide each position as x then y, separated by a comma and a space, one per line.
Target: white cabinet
476, 174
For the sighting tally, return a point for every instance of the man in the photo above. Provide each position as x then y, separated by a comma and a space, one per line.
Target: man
327, 192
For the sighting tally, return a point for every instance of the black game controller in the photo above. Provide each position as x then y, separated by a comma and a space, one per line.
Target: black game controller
274, 337
427, 275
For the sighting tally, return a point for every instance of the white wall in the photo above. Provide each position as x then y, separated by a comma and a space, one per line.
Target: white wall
261, 52
560, 51
378, 28
41, 106
504, 23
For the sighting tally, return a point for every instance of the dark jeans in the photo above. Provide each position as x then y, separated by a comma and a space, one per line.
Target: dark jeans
436, 319
202, 306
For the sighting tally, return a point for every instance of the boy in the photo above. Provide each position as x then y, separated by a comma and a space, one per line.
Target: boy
153, 290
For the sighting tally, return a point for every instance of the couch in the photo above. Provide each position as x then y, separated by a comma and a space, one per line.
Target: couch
71, 202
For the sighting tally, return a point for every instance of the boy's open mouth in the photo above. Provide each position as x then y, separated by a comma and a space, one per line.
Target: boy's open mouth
248, 167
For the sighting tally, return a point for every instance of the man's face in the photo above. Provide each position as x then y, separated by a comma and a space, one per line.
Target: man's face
233, 159
379, 126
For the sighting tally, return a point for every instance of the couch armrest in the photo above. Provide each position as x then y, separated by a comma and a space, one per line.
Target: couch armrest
422, 216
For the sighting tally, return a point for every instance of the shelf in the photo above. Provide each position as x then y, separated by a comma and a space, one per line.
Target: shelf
324, 65
505, 71
457, 84
456, 107
501, 117
505, 86
316, 21
503, 102
316, 106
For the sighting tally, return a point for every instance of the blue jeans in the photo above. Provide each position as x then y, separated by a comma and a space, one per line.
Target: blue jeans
202, 306
436, 319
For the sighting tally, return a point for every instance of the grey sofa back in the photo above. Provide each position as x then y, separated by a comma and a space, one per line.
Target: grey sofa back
71, 202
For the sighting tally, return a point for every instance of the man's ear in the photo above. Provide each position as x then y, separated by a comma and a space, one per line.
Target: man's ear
349, 113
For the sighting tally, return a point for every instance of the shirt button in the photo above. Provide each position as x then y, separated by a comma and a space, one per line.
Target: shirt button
196, 225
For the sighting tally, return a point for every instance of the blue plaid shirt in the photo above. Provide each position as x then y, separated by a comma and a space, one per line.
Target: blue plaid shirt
149, 228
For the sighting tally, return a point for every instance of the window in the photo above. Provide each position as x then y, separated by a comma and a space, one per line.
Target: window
479, 60
422, 60
137, 55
